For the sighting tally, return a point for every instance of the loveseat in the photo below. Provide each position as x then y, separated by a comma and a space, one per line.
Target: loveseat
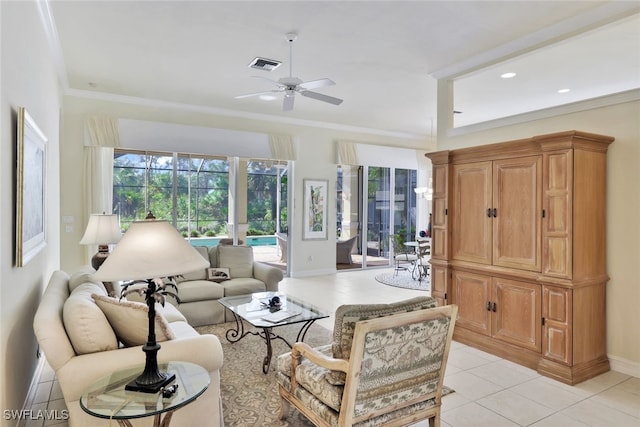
83, 332
199, 295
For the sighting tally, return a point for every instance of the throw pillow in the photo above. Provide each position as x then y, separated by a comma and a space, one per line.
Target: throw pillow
238, 259
87, 327
219, 274
130, 320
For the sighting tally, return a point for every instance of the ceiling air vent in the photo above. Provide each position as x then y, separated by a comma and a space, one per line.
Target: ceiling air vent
264, 64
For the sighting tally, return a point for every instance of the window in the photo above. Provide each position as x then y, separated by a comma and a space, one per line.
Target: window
192, 192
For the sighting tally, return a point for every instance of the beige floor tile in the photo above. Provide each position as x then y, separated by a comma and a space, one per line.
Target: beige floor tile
596, 414
621, 400
473, 414
471, 386
558, 420
503, 373
514, 407
554, 395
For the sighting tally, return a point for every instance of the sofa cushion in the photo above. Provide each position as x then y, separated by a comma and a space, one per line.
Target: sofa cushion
170, 312
243, 286
130, 320
183, 330
81, 276
238, 259
199, 290
87, 327
198, 274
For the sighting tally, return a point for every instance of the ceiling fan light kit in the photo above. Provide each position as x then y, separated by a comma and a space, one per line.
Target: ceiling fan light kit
291, 85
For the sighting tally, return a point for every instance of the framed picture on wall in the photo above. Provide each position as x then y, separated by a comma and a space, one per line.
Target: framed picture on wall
31, 161
314, 217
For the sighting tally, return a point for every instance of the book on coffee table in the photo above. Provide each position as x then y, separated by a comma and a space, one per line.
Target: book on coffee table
279, 316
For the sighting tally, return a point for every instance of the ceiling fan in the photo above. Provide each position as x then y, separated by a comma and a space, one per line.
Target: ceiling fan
292, 85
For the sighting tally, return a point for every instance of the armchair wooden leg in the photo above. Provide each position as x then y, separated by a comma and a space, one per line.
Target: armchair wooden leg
284, 408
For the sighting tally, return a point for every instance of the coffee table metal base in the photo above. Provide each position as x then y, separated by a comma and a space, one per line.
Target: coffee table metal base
236, 334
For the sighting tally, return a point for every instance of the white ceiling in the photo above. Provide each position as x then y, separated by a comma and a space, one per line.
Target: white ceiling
383, 55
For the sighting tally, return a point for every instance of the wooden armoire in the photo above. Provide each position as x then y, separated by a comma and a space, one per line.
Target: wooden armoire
519, 244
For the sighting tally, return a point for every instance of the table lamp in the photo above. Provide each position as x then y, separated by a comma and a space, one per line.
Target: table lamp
148, 251
102, 230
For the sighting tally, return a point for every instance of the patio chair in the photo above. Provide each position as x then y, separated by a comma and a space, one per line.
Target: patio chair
402, 254
282, 244
344, 249
387, 370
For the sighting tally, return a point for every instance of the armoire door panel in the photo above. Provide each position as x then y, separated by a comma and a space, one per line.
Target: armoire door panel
557, 332
471, 294
439, 284
517, 211
517, 313
557, 250
471, 229
439, 217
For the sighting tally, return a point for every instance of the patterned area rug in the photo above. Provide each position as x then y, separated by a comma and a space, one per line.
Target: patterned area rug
403, 279
249, 397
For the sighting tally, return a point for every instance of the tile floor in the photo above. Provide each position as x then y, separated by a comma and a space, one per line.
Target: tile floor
489, 391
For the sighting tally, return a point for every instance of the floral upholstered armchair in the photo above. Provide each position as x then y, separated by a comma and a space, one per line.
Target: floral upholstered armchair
385, 367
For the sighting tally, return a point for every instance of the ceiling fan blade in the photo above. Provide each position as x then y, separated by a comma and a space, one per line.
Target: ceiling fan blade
321, 97
314, 84
256, 94
287, 105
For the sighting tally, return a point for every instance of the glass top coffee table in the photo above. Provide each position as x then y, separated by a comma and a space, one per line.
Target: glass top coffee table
254, 309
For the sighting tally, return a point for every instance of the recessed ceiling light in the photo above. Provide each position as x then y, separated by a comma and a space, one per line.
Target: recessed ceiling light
267, 97
507, 75
564, 90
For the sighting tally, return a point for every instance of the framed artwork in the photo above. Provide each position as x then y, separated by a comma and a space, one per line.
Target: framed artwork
31, 160
218, 274
314, 219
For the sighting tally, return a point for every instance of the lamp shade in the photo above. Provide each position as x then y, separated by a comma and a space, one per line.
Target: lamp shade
150, 249
102, 229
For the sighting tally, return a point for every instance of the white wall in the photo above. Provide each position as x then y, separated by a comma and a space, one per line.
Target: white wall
27, 79
621, 121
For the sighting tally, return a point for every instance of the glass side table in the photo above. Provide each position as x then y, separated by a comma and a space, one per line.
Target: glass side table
108, 399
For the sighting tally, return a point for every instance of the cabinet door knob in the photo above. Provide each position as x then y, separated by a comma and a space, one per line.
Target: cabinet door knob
493, 307
495, 212
488, 305
489, 212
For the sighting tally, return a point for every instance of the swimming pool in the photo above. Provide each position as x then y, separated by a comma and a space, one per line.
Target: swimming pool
250, 241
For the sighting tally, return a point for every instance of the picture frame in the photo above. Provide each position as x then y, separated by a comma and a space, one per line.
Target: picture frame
219, 274
314, 217
31, 161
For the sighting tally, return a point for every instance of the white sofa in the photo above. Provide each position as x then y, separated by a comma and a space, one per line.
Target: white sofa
199, 296
81, 346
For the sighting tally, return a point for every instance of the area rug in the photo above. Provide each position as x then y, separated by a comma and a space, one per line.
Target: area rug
403, 279
249, 397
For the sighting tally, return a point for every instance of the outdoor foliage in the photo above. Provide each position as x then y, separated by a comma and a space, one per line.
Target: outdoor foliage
145, 182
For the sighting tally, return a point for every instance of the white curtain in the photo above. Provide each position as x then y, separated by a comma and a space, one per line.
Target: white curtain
282, 147
347, 153
102, 136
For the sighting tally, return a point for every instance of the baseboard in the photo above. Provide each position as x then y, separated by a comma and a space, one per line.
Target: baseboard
624, 366
310, 273
33, 388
